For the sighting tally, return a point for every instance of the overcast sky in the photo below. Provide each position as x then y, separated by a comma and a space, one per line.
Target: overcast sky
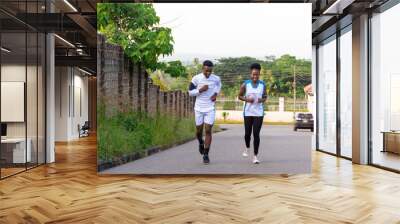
237, 29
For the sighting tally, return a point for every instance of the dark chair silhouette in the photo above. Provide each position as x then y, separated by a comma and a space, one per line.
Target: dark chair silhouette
84, 130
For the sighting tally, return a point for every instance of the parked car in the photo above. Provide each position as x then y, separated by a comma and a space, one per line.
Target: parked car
304, 121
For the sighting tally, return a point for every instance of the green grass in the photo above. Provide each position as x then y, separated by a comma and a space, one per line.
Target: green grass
131, 132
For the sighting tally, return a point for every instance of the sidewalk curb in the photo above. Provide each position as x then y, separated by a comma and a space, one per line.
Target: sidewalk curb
104, 165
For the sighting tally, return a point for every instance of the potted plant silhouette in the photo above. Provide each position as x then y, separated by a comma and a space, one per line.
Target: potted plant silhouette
225, 115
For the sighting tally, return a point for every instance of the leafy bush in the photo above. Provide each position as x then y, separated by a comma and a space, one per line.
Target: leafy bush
229, 105
168, 83
133, 132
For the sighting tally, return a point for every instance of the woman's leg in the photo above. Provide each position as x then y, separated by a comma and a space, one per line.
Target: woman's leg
248, 125
257, 124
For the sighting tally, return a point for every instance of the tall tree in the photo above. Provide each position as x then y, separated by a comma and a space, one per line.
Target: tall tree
135, 27
174, 68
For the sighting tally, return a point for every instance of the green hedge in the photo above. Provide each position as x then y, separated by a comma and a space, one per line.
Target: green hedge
130, 132
229, 105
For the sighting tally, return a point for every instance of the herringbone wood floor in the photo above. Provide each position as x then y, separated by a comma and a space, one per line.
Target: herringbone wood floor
70, 191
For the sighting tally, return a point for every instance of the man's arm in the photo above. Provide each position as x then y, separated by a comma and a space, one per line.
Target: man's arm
193, 91
217, 89
218, 86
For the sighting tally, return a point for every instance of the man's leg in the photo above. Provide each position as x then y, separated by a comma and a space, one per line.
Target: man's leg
199, 135
199, 117
207, 144
208, 123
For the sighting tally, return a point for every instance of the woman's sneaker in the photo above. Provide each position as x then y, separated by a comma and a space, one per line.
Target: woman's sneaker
245, 153
255, 160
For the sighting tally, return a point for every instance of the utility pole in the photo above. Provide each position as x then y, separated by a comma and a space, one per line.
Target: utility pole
294, 88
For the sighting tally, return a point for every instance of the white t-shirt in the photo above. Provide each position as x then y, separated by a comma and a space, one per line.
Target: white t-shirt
203, 100
256, 92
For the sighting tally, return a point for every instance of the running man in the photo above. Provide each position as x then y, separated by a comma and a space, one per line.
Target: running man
253, 93
205, 86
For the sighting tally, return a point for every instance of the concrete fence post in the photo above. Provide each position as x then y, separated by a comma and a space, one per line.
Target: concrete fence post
281, 104
146, 91
158, 99
139, 88
179, 93
184, 105
171, 95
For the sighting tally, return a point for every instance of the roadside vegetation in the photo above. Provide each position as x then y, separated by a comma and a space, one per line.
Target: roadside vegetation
130, 132
136, 28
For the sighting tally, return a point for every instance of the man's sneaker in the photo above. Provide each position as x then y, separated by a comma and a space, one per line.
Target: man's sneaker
245, 153
255, 160
206, 160
201, 149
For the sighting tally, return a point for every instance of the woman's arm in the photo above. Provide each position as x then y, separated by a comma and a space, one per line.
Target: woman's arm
241, 94
264, 96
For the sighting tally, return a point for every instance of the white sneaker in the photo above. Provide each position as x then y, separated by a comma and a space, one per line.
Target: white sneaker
245, 153
255, 160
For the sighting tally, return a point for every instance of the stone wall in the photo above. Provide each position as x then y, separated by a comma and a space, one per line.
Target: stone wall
123, 85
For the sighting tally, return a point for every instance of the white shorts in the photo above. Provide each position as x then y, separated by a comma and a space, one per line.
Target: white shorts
204, 117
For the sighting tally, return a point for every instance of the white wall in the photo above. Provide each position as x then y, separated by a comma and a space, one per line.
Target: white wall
81, 83
71, 93
62, 82
270, 116
13, 73
13, 101
33, 126
10, 73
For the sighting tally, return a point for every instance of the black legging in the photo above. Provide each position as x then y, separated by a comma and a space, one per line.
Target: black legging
255, 124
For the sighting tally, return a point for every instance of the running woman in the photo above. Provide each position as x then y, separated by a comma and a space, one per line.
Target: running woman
253, 93
205, 86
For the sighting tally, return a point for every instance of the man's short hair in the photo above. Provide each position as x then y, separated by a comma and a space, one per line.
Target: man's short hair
208, 63
255, 66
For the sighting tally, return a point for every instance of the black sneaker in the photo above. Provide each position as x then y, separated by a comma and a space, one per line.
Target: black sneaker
206, 160
201, 149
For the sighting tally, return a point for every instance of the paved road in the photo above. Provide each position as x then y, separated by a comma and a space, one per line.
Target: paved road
281, 151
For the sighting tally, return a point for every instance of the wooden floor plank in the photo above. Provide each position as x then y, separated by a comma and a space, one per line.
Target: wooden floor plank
71, 191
